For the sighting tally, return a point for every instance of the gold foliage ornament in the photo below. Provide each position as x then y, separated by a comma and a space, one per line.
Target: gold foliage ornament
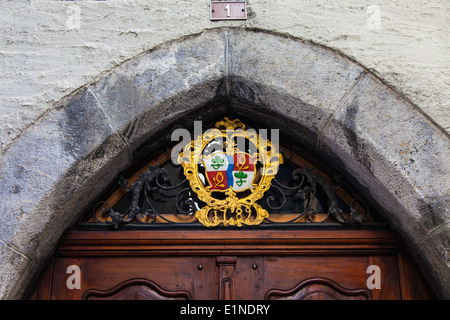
230, 168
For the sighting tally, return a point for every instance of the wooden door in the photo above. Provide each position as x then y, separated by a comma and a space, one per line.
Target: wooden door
231, 265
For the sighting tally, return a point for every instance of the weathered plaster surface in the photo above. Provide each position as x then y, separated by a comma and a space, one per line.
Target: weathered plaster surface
45, 54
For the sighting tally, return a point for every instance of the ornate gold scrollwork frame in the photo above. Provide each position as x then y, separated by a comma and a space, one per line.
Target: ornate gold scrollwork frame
231, 207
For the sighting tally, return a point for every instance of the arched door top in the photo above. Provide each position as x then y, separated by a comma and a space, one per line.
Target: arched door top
59, 165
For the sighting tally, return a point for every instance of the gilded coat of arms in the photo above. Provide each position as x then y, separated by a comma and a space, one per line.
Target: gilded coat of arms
230, 168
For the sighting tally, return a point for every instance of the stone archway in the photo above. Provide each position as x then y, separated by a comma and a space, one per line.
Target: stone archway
60, 164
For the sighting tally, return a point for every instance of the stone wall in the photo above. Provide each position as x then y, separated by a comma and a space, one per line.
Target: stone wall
50, 48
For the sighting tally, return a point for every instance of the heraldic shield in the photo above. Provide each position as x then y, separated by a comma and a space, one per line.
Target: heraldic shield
232, 177
235, 171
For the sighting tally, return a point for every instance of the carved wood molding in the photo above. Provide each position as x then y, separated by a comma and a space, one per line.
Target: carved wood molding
132, 287
321, 288
226, 270
184, 242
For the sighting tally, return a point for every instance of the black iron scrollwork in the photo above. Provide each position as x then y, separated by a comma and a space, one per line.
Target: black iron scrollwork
152, 187
311, 198
154, 199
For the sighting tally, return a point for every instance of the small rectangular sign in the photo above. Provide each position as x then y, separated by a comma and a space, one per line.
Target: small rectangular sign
228, 10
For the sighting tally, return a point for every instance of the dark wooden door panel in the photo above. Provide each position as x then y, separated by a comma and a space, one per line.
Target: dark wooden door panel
101, 275
136, 289
249, 278
283, 273
254, 276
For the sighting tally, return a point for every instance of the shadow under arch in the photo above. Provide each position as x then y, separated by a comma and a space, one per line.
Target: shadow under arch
320, 99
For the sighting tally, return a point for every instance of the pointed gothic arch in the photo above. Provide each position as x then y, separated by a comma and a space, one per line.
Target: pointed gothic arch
328, 103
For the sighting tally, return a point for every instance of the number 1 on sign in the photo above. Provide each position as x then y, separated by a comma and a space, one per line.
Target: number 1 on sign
228, 9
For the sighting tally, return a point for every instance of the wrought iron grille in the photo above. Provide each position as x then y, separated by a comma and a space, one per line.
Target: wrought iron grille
298, 197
